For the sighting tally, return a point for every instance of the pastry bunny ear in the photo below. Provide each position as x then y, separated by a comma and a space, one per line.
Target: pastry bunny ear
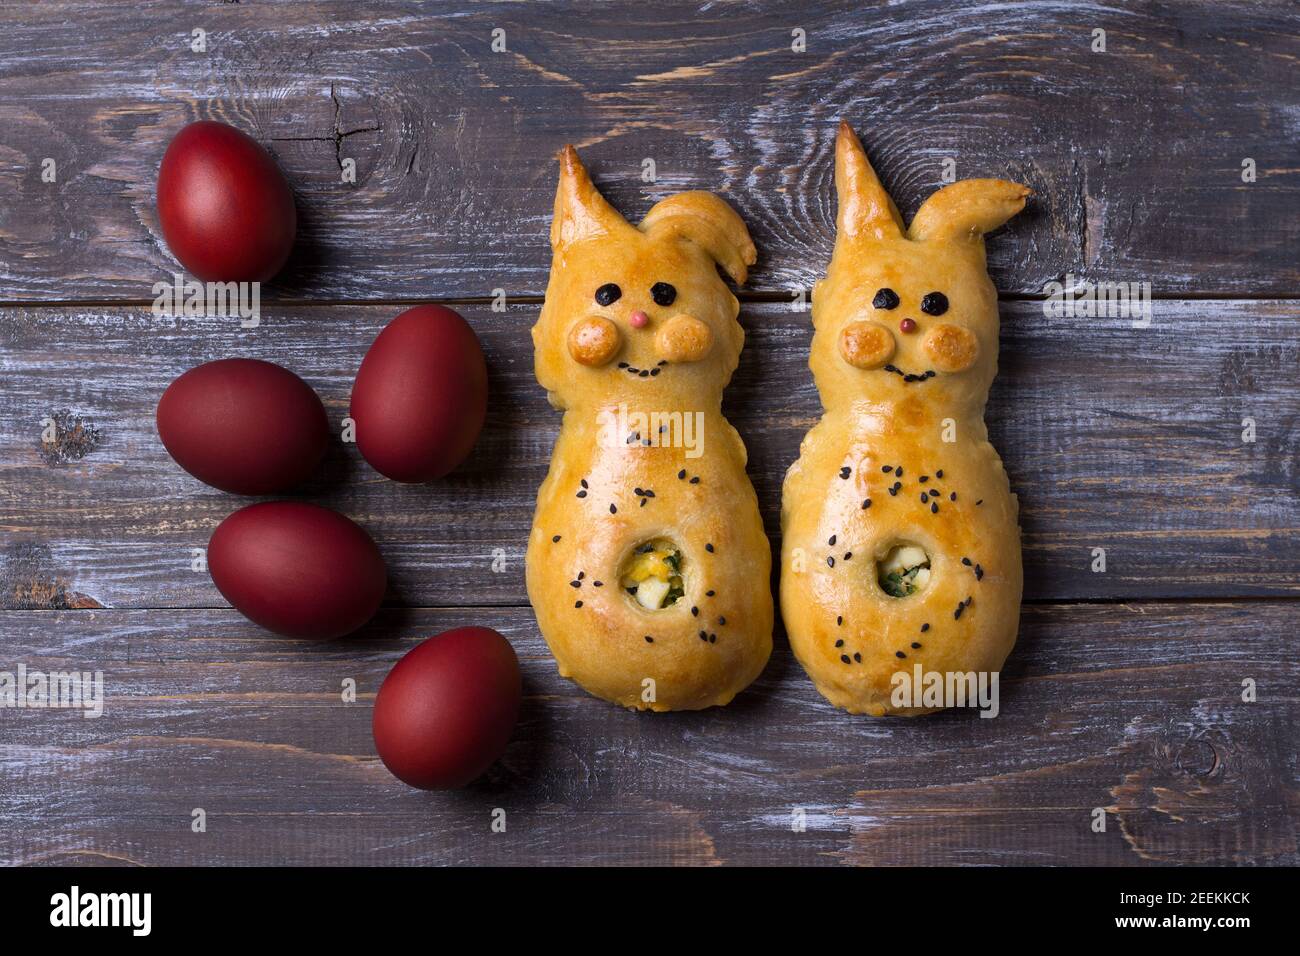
865, 208
581, 212
708, 222
967, 209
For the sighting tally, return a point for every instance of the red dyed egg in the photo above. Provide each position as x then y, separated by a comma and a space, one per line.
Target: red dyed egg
445, 713
244, 426
297, 569
420, 395
226, 211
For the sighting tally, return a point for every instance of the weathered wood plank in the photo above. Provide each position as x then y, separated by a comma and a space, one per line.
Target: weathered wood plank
1135, 153
1115, 437
1135, 709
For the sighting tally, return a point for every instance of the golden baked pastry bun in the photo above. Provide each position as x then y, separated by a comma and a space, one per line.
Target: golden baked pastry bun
647, 564
901, 548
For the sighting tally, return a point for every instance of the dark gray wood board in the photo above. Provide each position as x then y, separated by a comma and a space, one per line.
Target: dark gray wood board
1135, 154
1133, 709
1114, 437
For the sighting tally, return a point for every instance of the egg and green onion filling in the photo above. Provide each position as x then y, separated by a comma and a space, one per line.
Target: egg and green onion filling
654, 575
904, 570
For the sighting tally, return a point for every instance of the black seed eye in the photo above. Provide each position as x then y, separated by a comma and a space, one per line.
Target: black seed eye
663, 293
885, 299
936, 303
608, 294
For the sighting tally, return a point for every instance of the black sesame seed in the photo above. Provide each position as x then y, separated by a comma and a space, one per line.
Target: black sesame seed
654, 372
924, 497
846, 471
934, 509
924, 628
887, 468
840, 642
582, 494
612, 510
857, 657
916, 645
866, 503
583, 482
555, 538
575, 584
966, 561
709, 548
953, 496
643, 501
622, 365
597, 584
830, 561
663, 361
577, 604
704, 636
848, 555
980, 502
899, 654
695, 480
956, 615
939, 473
695, 612
709, 593
893, 491
649, 493
923, 479
831, 541
722, 622
649, 639
581, 575
644, 373
713, 638
681, 474
840, 620
844, 658
899, 471
979, 573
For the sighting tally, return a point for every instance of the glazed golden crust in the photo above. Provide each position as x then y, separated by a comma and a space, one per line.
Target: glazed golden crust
644, 454
901, 455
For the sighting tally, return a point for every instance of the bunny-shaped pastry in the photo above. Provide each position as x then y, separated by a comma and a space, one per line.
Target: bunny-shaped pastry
901, 551
647, 564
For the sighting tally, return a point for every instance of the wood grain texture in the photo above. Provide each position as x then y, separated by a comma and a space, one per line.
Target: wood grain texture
1135, 154
1134, 709
1114, 437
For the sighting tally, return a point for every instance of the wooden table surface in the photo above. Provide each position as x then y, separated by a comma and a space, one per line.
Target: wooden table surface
1125, 691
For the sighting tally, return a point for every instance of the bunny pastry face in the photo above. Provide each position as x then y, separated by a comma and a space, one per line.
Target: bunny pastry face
657, 308
906, 311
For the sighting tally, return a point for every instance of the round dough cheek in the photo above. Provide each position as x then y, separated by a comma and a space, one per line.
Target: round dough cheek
952, 348
594, 341
683, 338
866, 344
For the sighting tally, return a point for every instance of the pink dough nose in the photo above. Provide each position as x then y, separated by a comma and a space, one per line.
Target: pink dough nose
639, 319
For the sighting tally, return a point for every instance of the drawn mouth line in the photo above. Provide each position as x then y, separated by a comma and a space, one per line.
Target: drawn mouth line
910, 376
